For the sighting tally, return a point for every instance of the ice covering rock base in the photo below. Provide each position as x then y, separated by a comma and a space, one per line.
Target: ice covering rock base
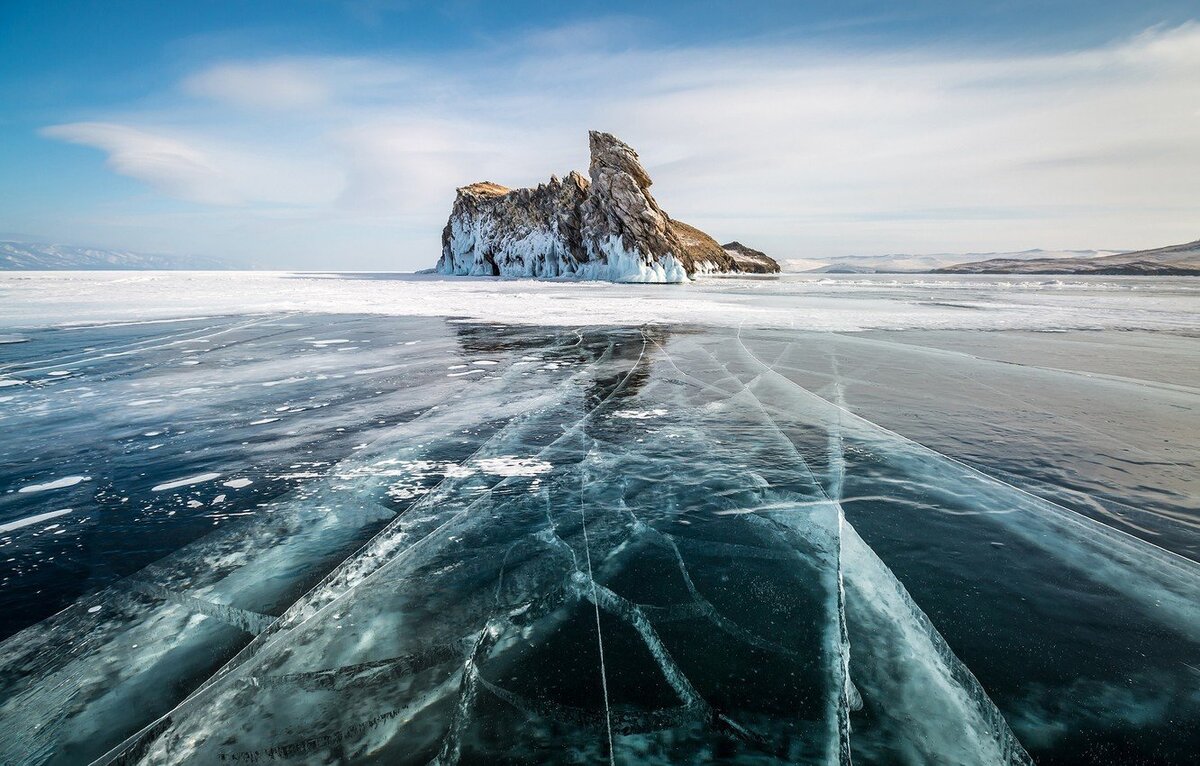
608, 228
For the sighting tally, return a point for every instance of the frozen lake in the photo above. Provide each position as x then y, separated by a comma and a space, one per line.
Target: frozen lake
371, 518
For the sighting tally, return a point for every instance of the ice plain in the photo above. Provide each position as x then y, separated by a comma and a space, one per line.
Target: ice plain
355, 518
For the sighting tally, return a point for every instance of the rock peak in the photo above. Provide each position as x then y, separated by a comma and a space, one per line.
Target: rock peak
609, 228
613, 155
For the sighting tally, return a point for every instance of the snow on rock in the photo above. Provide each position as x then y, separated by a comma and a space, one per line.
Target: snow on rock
608, 228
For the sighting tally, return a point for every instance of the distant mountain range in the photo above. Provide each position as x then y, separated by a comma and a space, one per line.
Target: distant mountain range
33, 256
1173, 260
899, 263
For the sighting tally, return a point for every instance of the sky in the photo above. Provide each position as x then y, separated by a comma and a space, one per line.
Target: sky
309, 134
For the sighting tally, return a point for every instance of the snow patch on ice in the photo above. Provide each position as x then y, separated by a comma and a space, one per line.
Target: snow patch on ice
511, 465
639, 414
373, 370
197, 479
801, 301
28, 520
66, 481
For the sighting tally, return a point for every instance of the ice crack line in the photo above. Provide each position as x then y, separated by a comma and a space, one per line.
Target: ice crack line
599, 636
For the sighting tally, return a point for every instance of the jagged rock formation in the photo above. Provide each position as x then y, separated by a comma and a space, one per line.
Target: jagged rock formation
607, 228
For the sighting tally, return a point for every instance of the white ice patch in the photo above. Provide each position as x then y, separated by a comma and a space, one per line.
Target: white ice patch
511, 465
639, 414
66, 481
237, 483
6, 382
373, 370
262, 421
197, 479
28, 520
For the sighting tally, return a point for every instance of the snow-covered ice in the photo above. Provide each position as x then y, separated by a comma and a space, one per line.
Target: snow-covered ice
810, 302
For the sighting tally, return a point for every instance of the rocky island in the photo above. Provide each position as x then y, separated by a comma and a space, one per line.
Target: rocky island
608, 227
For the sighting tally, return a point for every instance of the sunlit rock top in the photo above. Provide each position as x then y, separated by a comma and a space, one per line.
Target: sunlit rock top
608, 228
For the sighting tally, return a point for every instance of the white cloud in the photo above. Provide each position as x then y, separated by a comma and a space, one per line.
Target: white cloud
304, 83
799, 150
173, 167
274, 85
205, 172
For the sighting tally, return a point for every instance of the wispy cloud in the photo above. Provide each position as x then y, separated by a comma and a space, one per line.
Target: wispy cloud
206, 171
800, 150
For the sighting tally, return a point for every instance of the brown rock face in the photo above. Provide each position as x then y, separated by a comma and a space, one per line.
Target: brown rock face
611, 228
750, 260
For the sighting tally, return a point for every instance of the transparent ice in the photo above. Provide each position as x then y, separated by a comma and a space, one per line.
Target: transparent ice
648, 545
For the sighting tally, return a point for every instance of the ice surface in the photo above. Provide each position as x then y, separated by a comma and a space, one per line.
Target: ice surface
637, 544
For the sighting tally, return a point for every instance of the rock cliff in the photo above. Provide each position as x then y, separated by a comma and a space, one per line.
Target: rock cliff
608, 227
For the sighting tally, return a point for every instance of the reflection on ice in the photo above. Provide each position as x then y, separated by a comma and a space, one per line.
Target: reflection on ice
624, 546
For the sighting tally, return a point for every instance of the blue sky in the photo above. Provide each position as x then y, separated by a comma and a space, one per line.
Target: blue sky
311, 134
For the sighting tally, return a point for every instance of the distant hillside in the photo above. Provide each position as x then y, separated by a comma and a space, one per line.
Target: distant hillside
31, 256
1174, 260
901, 263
